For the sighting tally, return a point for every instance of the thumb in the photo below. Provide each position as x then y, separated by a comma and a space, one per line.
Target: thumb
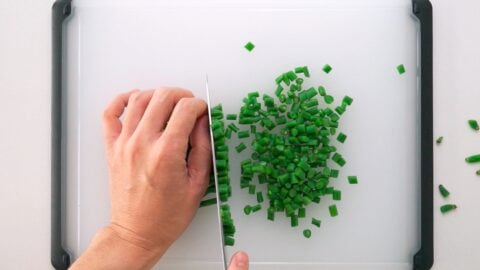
239, 261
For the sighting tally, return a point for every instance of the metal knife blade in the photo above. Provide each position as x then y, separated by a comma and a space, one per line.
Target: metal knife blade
222, 240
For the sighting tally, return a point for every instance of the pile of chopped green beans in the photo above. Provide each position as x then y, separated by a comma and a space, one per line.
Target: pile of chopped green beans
292, 150
219, 132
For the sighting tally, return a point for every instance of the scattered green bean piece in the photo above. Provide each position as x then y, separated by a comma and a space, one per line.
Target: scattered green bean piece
337, 195
473, 159
327, 68
231, 116
316, 222
443, 191
401, 69
341, 137
478, 172
256, 208
294, 221
307, 233
259, 197
329, 99
251, 189
447, 208
333, 210
229, 241
352, 180
474, 124
239, 148
249, 46
347, 101
247, 210
208, 202
439, 140
243, 134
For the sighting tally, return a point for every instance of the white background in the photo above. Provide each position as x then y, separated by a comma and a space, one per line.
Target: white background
25, 67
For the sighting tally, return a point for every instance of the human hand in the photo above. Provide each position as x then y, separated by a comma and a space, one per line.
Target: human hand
239, 261
155, 187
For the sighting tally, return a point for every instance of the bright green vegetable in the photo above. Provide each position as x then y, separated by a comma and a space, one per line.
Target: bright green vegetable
352, 180
249, 46
240, 147
474, 124
337, 195
473, 159
401, 69
327, 68
447, 208
316, 222
231, 116
307, 233
208, 202
341, 137
243, 134
256, 208
443, 191
229, 241
333, 210
329, 99
247, 210
259, 197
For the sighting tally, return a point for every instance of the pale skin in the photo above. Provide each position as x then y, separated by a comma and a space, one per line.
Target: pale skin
155, 187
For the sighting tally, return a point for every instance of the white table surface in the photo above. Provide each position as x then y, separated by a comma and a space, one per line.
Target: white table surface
25, 80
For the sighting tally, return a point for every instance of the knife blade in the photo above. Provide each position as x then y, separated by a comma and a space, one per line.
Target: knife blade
222, 240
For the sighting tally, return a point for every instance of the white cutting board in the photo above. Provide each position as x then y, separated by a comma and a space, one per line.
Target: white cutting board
115, 46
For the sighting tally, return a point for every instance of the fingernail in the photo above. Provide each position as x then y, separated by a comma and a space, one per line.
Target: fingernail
241, 259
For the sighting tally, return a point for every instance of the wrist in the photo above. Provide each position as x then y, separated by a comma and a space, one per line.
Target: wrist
115, 247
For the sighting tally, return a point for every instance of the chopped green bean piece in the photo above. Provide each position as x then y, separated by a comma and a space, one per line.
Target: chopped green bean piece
251, 189
341, 137
240, 147
447, 208
249, 46
443, 191
352, 180
439, 140
347, 101
271, 214
229, 241
401, 69
243, 134
208, 202
329, 99
327, 68
316, 222
302, 212
333, 210
259, 197
474, 124
294, 221
307, 233
247, 210
256, 208
337, 195
473, 159
231, 116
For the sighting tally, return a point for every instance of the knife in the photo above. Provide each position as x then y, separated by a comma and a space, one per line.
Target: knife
220, 225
